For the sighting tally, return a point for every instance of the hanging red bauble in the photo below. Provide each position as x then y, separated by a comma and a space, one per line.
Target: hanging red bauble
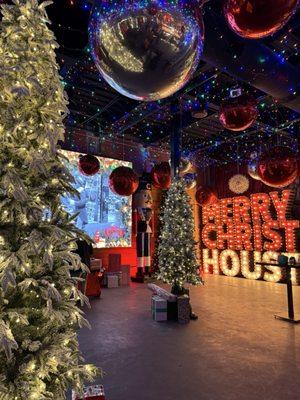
238, 113
161, 175
206, 195
123, 181
88, 165
255, 19
278, 167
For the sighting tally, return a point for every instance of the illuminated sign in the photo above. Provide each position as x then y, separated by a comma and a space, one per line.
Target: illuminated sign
239, 232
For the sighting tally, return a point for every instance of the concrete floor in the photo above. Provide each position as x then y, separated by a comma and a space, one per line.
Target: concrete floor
236, 351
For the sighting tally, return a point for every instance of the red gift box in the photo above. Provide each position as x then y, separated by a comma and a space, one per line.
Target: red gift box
95, 392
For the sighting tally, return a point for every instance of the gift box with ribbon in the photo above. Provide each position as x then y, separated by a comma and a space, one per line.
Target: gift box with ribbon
159, 309
95, 392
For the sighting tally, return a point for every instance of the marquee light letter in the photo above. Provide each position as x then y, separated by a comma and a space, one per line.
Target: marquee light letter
290, 239
206, 236
241, 210
273, 274
226, 210
211, 260
246, 269
230, 263
257, 234
226, 234
260, 204
270, 233
211, 213
281, 205
243, 235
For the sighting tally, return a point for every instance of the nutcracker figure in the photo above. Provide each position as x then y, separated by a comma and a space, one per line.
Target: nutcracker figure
143, 216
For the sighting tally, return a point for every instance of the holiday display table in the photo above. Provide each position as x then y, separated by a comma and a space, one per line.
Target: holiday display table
95, 392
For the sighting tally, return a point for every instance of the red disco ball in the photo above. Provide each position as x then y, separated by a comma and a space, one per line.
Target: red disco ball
123, 181
88, 165
161, 175
238, 113
255, 19
279, 167
206, 195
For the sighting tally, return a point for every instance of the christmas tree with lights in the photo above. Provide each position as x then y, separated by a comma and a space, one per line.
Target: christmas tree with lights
39, 354
177, 259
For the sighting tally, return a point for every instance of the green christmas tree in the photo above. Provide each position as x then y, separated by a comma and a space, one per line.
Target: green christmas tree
155, 261
177, 248
39, 355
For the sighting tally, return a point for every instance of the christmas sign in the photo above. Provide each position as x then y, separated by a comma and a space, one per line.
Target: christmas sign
239, 232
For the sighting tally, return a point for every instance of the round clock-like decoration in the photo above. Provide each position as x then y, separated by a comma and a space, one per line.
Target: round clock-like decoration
239, 184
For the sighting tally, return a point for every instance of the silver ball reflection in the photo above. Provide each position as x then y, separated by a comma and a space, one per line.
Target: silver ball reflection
252, 169
144, 55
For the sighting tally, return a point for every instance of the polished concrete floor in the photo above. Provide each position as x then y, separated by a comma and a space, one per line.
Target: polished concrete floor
235, 351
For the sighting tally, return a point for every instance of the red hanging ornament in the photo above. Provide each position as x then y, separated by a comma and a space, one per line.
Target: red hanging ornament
123, 181
255, 19
238, 113
161, 175
206, 195
279, 167
88, 165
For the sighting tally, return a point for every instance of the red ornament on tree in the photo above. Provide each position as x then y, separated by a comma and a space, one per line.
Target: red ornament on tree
238, 113
123, 181
161, 175
279, 167
88, 165
206, 195
255, 19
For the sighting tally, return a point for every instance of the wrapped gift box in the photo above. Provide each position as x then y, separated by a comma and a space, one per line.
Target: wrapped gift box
125, 275
95, 392
159, 309
113, 281
184, 309
92, 285
96, 264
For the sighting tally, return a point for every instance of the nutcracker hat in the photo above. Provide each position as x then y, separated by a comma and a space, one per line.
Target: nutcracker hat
145, 182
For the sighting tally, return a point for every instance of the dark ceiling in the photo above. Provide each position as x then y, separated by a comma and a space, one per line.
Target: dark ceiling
268, 69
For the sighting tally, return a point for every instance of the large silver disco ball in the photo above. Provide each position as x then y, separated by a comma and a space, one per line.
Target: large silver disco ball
146, 53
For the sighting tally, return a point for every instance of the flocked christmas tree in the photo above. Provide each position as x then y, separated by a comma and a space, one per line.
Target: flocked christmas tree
177, 247
39, 355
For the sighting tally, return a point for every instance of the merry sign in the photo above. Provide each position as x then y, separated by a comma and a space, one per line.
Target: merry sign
239, 232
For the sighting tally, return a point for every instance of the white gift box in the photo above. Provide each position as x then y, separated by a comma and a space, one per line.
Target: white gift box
112, 281
95, 392
159, 309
